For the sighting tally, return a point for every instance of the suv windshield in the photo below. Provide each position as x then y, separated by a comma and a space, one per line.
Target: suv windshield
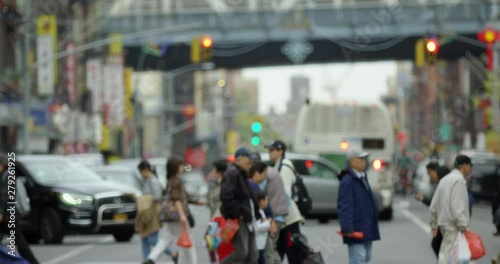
60, 171
483, 169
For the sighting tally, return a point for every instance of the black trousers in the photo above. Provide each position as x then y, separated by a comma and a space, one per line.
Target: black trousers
436, 243
21, 243
282, 245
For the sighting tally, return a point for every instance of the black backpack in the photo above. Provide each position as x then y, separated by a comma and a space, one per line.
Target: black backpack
300, 195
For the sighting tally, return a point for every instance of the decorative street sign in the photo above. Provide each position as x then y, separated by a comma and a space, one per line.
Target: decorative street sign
489, 36
297, 50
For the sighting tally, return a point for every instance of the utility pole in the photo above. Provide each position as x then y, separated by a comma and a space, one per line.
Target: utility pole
166, 140
495, 103
494, 100
27, 79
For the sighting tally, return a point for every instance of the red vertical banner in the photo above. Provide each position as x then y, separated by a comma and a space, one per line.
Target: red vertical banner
105, 114
489, 54
70, 73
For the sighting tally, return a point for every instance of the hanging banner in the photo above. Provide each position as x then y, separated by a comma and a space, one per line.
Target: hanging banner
129, 108
45, 76
116, 44
94, 83
70, 71
46, 49
114, 96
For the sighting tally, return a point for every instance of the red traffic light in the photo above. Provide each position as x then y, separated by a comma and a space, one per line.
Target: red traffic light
207, 42
488, 36
432, 45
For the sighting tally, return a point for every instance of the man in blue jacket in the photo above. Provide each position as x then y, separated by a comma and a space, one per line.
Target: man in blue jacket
357, 208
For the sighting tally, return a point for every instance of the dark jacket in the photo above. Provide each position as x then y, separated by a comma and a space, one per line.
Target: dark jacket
357, 208
235, 195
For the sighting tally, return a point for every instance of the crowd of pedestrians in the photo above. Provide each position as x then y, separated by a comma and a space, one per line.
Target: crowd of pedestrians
257, 198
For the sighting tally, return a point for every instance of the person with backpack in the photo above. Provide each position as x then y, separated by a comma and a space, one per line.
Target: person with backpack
23, 209
357, 208
288, 174
272, 184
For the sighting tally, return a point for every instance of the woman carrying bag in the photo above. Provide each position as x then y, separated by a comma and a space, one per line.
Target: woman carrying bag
174, 215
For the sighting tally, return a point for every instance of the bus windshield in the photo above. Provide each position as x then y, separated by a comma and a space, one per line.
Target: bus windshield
330, 130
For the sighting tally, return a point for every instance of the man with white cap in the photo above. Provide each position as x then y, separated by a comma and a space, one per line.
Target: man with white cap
357, 208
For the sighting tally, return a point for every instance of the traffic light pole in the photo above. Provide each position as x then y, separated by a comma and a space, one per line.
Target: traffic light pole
495, 99
27, 82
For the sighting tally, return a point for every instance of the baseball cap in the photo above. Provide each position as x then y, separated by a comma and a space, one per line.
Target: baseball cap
462, 160
277, 144
255, 156
243, 151
356, 153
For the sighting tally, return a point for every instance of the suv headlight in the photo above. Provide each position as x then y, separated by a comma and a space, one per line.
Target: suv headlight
75, 199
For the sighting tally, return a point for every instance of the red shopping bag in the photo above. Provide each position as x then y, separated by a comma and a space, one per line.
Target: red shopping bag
476, 246
356, 235
229, 230
225, 248
184, 239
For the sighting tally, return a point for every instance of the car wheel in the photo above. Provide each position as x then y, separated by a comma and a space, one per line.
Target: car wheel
32, 238
51, 227
386, 214
124, 236
324, 220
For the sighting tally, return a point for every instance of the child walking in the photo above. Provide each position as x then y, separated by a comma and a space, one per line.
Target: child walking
262, 226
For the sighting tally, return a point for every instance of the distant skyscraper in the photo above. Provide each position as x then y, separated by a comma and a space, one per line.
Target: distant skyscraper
300, 91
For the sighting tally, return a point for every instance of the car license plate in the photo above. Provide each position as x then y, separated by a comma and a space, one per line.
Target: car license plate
120, 217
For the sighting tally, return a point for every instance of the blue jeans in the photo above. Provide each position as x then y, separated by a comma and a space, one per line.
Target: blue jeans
262, 257
360, 253
149, 242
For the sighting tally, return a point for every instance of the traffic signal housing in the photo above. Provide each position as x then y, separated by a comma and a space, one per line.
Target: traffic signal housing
206, 48
201, 49
256, 129
431, 50
426, 50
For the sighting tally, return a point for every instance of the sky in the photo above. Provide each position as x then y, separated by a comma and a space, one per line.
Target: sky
363, 82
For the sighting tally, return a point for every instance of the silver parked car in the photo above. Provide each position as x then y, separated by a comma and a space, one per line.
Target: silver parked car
159, 164
321, 179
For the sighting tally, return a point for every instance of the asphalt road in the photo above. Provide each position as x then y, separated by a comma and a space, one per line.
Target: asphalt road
405, 239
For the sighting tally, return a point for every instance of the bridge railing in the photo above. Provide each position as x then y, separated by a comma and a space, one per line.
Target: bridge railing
324, 14
156, 7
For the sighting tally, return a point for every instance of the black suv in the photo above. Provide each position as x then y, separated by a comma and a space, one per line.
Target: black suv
485, 178
66, 197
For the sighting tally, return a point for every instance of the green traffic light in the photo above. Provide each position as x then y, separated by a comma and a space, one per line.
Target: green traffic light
255, 141
256, 127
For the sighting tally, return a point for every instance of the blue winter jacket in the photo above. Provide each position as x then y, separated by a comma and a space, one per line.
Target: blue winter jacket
255, 188
357, 209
